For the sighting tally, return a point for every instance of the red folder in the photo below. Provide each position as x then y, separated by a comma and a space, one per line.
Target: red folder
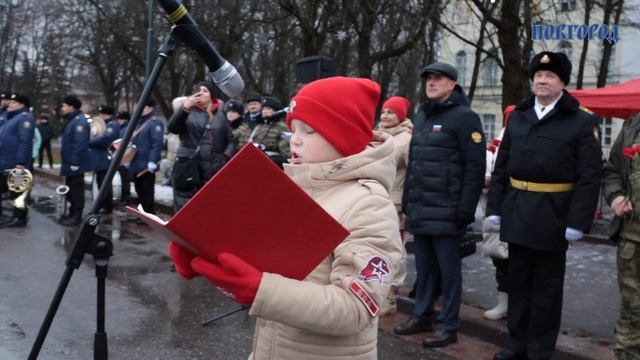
252, 209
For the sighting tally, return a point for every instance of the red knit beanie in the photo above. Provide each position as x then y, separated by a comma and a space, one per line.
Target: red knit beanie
398, 105
341, 109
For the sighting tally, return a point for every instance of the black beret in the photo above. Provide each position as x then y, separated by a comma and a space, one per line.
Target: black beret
271, 102
106, 109
234, 105
440, 68
254, 97
22, 99
557, 63
73, 101
123, 115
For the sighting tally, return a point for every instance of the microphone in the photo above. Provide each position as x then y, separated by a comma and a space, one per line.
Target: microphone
223, 74
278, 113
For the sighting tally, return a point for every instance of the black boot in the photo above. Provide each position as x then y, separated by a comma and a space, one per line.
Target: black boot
19, 219
63, 217
72, 220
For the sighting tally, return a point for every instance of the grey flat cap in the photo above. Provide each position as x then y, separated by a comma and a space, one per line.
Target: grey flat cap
440, 69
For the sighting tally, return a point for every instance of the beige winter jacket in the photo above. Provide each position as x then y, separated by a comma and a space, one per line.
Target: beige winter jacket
401, 137
323, 317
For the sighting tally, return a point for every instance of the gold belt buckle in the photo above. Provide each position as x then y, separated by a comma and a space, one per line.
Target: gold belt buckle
525, 185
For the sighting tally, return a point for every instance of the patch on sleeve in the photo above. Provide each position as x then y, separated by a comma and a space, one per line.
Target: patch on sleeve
364, 296
158, 128
79, 128
596, 133
476, 137
26, 124
376, 269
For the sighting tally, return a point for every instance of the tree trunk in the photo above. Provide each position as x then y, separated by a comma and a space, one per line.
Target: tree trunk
585, 46
607, 47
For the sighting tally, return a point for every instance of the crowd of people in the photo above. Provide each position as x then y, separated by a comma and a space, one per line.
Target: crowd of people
401, 178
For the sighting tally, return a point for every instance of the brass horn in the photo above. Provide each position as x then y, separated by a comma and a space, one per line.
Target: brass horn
19, 181
62, 191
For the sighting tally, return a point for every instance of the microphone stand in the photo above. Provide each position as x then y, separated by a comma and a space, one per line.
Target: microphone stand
86, 240
219, 317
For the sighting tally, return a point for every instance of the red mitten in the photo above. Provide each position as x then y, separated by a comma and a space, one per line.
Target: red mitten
234, 277
182, 260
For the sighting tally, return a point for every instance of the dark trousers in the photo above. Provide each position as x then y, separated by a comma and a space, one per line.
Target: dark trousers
502, 273
126, 184
75, 196
144, 186
438, 265
536, 280
107, 201
46, 146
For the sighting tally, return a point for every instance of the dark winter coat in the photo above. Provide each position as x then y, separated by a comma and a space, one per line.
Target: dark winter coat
562, 147
446, 167
16, 139
75, 144
148, 144
215, 147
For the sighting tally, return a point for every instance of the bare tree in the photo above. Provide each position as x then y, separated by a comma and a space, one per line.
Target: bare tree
611, 8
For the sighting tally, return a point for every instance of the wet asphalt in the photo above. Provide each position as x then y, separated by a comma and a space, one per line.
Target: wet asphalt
151, 312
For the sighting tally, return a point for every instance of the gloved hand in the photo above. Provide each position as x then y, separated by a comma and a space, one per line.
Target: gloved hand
182, 261
572, 234
151, 166
74, 167
495, 219
463, 219
234, 277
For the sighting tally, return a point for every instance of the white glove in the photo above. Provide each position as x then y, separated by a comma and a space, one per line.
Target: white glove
74, 168
494, 219
151, 166
572, 234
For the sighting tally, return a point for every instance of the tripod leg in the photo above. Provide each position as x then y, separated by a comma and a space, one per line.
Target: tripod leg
100, 349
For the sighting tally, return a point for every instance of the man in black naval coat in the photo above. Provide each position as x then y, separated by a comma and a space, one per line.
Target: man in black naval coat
543, 192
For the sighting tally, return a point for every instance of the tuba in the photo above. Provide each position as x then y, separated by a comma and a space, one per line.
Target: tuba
19, 182
97, 127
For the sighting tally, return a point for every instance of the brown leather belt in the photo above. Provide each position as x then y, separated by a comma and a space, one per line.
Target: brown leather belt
541, 187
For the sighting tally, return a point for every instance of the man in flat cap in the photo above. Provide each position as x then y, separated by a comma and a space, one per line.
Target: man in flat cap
543, 192
16, 144
75, 157
254, 109
445, 176
100, 160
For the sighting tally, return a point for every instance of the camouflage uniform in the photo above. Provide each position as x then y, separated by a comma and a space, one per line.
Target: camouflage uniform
269, 137
242, 134
622, 176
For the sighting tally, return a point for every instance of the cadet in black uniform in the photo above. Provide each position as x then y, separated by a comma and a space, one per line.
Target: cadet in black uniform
75, 157
16, 143
544, 192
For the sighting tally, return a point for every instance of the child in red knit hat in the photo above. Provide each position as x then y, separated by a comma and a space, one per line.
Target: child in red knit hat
394, 121
349, 170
